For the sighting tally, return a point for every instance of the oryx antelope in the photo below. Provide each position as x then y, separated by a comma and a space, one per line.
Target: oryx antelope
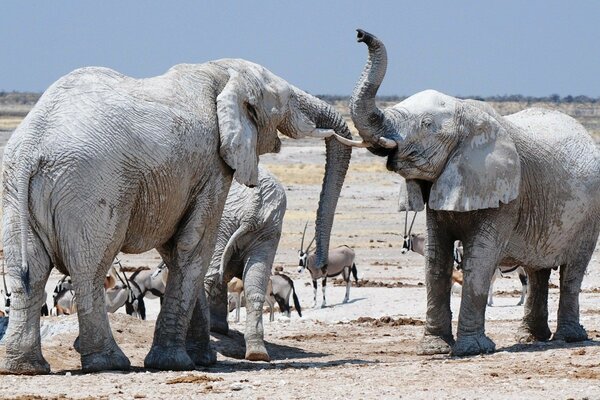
278, 291
416, 243
340, 261
146, 283
235, 289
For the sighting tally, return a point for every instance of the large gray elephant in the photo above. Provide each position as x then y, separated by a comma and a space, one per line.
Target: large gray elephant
524, 189
106, 163
248, 237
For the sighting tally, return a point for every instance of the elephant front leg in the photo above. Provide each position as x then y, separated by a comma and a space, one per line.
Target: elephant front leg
256, 279
438, 338
568, 327
482, 255
187, 258
198, 337
535, 319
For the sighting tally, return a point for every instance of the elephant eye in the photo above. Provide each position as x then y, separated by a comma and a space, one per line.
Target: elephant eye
426, 122
252, 112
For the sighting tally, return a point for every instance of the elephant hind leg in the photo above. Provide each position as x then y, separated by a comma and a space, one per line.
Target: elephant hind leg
98, 349
568, 327
534, 326
22, 339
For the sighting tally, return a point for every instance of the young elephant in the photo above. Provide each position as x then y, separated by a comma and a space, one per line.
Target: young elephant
249, 234
522, 189
106, 163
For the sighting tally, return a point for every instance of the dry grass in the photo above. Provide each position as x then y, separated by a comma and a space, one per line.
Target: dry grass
312, 174
8, 123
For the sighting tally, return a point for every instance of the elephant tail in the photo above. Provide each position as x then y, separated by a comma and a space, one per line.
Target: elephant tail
26, 166
228, 251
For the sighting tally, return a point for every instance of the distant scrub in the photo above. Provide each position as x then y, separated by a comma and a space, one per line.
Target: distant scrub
553, 98
20, 98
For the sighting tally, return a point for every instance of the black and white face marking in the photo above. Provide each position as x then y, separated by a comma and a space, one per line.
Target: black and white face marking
407, 245
302, 260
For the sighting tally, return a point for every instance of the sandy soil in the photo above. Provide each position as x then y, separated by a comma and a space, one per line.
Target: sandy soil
361, 350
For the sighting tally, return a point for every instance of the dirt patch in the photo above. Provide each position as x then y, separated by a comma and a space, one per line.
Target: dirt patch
194, 379
388, 321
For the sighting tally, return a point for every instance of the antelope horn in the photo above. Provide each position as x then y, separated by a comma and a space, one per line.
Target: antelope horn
303, 233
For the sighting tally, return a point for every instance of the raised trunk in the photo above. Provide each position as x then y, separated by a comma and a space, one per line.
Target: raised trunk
368, 119
337, 161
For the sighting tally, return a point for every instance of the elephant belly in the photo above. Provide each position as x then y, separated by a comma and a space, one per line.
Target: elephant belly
155, 219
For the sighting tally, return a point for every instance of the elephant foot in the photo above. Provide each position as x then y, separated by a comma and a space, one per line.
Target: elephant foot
112, 360
169, 358
257, 351
25, 366
529, 334
472, 345
219, 326
202, 356
570, 333
433, 344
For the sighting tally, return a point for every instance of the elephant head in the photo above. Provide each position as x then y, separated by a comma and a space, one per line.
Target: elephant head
252, 106
455, 155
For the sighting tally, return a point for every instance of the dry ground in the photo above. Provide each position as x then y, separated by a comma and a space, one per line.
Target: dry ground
364, 349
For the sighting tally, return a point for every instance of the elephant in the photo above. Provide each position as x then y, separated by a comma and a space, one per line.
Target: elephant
521, 189
247, 242
105, 163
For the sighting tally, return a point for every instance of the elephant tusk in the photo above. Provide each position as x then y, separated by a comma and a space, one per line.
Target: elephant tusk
325, 133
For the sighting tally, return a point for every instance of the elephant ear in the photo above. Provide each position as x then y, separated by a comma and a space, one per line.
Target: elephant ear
483, 171
411, 196
238, 133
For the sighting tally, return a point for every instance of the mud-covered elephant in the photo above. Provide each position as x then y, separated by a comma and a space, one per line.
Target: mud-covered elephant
106, 163
247, 242
524, 189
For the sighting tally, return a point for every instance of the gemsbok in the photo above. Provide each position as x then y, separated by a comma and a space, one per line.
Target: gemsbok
340, 261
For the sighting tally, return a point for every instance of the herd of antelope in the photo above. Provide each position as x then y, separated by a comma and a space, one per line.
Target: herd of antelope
144, 283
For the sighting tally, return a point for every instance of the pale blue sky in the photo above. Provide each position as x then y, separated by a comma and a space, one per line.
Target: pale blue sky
463, 48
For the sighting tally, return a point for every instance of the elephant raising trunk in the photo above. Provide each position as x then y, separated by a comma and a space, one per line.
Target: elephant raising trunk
370, 121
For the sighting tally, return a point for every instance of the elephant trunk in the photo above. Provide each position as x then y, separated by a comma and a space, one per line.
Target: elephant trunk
337, 160
369, 120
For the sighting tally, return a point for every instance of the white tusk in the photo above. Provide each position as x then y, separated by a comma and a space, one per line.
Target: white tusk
321, 133
350, 142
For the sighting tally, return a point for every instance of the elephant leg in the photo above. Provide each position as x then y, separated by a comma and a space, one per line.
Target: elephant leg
571, 275
97, 346
346, 276
198, 337
216, 290
535, 319
22, 338
187, 257
437, 337
482, 256
256, 280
